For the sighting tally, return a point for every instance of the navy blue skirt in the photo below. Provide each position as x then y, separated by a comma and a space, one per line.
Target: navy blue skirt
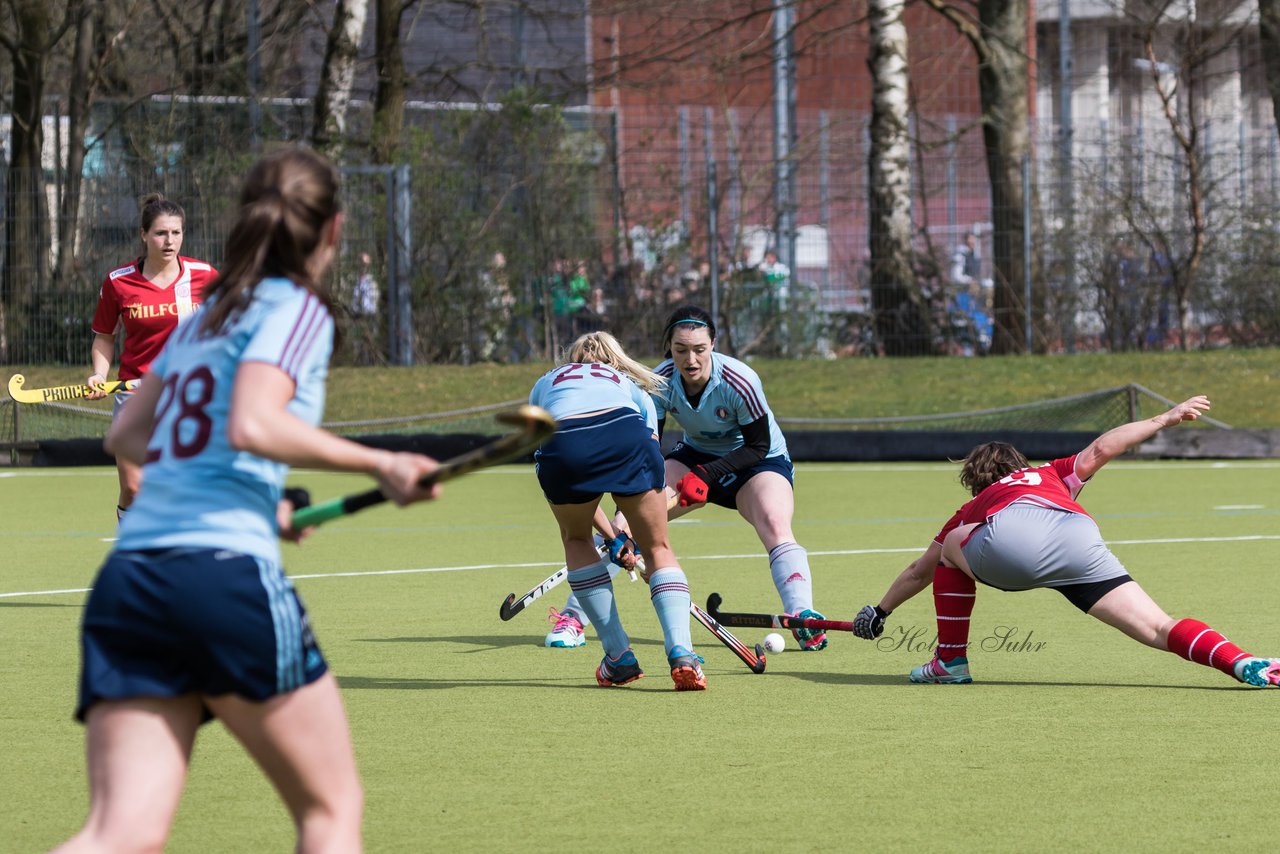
169, 622
613, 452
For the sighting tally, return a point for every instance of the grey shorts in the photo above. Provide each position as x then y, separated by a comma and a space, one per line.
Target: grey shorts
1026, 546
118, 401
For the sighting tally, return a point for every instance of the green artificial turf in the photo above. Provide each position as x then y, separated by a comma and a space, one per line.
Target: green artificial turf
473, 737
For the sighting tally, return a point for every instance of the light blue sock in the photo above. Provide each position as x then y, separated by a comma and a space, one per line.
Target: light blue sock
669, 590
575, 607
593, 587
789, 566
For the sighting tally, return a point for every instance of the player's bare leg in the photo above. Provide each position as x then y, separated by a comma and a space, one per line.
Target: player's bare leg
1129, 609
138, 752
302, 742
130, 477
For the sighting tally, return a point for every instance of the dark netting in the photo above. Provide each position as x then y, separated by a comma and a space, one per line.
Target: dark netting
1092, 412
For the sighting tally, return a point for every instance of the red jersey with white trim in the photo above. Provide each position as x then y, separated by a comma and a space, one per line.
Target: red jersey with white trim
1054, 484
148, 312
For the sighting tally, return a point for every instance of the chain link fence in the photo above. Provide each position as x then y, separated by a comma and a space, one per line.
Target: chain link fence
511, 228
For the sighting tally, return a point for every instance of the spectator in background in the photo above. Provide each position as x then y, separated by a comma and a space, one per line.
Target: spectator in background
970, 307
966, 264
776, 275
366, 297
498, 304
583, 318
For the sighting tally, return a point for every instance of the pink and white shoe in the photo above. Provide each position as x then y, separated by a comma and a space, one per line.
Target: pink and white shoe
935, 672
566, 631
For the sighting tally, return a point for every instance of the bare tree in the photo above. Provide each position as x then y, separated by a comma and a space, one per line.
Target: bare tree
30, 34
999, 37
1181, 48
92, 49
337, 76
393, 80
1269, 31
900, 319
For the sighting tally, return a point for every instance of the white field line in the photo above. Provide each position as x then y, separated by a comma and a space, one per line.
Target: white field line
748, 556
842, 468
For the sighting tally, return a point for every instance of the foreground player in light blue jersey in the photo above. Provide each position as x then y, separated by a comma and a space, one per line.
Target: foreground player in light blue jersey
732, 454
192, 616
607, 442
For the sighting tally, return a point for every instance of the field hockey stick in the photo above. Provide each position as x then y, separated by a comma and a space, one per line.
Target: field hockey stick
535, 423
752, 658
772, 621
512, 606
62, 392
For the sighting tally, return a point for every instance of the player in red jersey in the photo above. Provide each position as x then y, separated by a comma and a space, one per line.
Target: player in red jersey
146, 298
1024, 530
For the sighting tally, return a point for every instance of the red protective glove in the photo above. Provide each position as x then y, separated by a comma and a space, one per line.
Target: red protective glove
692, 490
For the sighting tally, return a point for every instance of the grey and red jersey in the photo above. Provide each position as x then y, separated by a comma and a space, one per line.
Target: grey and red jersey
1054, 485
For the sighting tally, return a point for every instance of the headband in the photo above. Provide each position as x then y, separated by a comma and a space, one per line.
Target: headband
692, 320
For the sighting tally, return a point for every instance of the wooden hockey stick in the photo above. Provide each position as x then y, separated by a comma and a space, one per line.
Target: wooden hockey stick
536, 426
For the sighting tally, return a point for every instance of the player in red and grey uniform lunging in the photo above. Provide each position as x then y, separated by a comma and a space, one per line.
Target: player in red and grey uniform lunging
1024, 530
146, 298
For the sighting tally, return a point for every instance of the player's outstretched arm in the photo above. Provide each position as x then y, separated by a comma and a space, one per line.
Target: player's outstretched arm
1115, 442
261, 424
918, 575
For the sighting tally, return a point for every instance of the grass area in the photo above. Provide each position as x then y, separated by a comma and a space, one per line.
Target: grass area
472, 737
1244, 384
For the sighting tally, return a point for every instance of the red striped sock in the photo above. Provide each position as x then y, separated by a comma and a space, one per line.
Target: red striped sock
953, 596
1195, 641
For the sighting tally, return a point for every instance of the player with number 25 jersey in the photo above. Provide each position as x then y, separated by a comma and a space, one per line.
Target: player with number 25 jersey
607, 441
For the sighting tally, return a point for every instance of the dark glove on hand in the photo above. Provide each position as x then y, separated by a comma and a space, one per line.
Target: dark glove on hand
869, 623
619, 546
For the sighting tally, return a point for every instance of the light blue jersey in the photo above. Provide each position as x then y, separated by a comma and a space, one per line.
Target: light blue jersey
197, 490
732, 397
575, 389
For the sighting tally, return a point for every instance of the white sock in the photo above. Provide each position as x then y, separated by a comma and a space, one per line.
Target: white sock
789, 566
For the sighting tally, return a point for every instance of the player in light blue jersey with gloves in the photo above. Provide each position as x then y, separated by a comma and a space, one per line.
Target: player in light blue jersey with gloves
191, 616
732, 454
607, 441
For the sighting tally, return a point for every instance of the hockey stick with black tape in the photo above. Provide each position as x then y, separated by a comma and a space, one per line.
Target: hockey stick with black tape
512, 606
57, 393
772, 621
753, 658
536, 426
